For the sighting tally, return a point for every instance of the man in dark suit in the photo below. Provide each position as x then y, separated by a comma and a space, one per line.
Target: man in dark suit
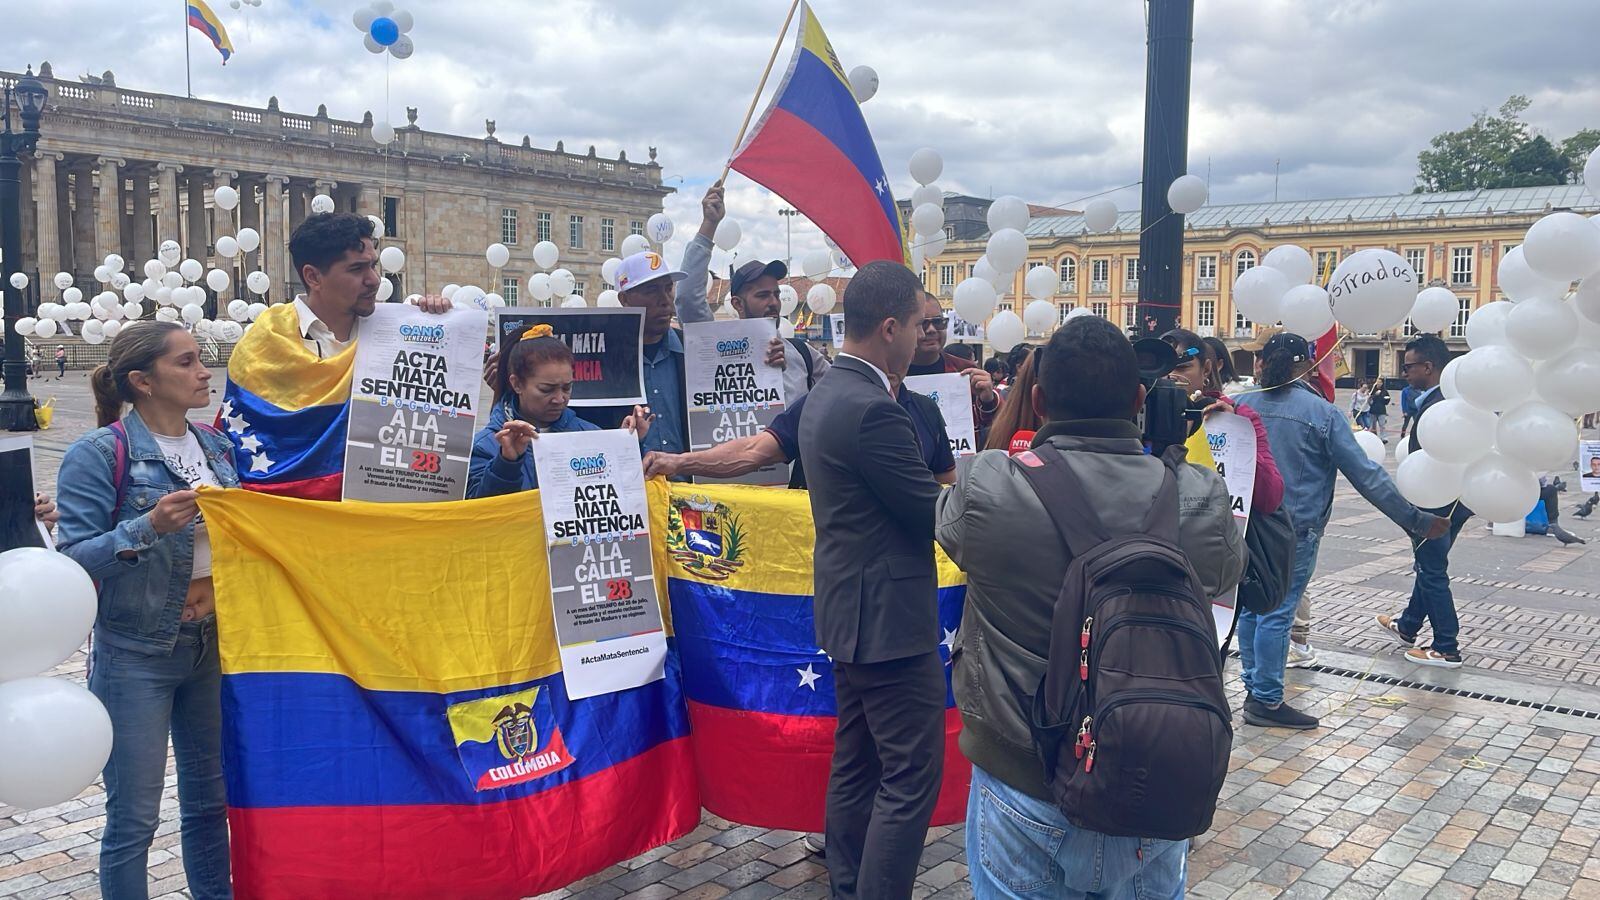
872, 498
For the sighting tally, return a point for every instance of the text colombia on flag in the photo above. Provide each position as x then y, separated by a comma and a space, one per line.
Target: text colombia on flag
812, 148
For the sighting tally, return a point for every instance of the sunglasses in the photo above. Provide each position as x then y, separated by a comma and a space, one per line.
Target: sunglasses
1406, 367
937, 323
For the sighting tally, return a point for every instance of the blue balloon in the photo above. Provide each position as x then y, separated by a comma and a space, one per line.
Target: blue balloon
384, 30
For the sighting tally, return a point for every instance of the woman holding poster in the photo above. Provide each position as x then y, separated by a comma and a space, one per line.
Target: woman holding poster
533, 387
1200, 369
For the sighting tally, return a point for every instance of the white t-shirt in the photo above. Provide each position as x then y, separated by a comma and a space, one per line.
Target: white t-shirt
184, 457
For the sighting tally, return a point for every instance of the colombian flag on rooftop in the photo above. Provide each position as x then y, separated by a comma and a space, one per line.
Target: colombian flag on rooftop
286, 411
812, 148
203, 20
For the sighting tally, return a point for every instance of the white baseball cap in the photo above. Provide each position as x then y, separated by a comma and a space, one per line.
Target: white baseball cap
644, 267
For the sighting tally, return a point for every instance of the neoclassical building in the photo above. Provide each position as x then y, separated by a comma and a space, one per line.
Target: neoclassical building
119, 170
1452, 239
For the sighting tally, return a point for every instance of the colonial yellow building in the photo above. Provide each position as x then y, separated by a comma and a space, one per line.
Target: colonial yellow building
1452, 239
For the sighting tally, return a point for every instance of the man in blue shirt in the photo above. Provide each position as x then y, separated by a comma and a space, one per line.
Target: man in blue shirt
645, 281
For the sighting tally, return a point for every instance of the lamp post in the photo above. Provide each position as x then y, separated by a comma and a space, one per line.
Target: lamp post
788, 218
16, 406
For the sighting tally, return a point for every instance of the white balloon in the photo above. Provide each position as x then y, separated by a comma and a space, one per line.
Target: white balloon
229, 331
217, 280
497, 255
927, 219
468, 296
154, 269
449, 290
225, 197
402, 19
372, 44
402, 48
382, 132
1562, 247
131, 310
919, 257
193, 312
1537, 435
1591, 173
322, 203
173, 279
493, 300
385, 290
93, 332
133, 293
1008, 212
1258, 293
1586, 299
925, 165
573, 302
1007, 250
1293, 261
163, 297
1305, 311
1100, 215
863, 83
119, 280
1455, 431
1498, 488
48, 310
78, 311
1435, 310
1372, 290
256, 309
727, 235
545, 254
1039, 316
816, 264
169, 252
1494, 378
539, 286
1543, 327
102, 274
975, 299
115, 263
932, 245
1486, 326
72, 295
45, 328
659, 228
63, 280
238, 310
25, 325
258, 282
1519, 281
1372, 446
608, 298
392, 259
788, 299
1187, 193
1040, 283
227, 247
111, 329
785, 329
987, 271
1005, 330
55, 737
19, 280
1570, 382
249, 239
608, 270
1427, 482
562, 282
205, 328
821, 298
167, 314
927, 193
191, 270
377, 228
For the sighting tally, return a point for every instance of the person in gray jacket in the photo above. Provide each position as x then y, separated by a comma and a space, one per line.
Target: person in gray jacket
996, 529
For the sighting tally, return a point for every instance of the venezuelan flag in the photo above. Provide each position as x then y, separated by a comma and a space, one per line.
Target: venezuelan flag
396, 720
203, 20
759, 690
287, 411
812, 147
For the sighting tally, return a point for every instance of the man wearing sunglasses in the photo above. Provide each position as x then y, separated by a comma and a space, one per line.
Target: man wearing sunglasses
930, 359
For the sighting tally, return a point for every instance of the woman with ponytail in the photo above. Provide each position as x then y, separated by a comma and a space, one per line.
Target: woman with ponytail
129, 516
533, 385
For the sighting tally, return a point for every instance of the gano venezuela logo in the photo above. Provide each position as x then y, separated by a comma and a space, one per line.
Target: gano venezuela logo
704, 537
499, 739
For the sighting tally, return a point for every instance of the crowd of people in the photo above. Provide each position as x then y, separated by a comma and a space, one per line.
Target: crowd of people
884, 488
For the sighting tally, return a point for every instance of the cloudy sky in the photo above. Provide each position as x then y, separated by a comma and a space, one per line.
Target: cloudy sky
1039, 98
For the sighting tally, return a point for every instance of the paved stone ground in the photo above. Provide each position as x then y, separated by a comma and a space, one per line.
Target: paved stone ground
1401, 793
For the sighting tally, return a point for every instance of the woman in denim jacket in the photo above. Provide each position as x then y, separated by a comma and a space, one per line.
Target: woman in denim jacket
129, 517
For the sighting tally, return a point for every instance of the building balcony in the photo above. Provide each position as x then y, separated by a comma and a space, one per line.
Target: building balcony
1244, 333
1205, 284
1130, 287
1206, 330
946, 290
1099, 287
1068, 287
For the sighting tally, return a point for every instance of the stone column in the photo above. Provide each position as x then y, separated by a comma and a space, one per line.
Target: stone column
108, 223
167, 224
197, 237
48, 226
274, 252
84, 258
325, 186
143, 246
370, 201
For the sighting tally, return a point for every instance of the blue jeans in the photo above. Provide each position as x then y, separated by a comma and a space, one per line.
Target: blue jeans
148, 695
1021, 847
1264, 640
1430, 592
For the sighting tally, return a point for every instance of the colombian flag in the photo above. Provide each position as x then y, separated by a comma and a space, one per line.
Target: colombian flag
287, 411
812, 147
759, 690
203, 20
396, 720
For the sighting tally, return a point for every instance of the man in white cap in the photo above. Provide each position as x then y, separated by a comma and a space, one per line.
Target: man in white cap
645, 281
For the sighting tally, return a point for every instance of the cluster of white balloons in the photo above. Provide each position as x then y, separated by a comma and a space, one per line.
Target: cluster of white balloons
927, 208
55, 736
994, 274
385, 29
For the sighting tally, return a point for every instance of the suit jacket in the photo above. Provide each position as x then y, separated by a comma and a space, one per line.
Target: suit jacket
1457, 511
872, 498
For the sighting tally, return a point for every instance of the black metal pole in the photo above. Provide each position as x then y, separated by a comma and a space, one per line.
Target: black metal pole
16, 406
1166, 156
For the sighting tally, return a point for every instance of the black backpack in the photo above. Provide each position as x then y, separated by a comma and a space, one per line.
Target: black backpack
1271, 542
1130, 720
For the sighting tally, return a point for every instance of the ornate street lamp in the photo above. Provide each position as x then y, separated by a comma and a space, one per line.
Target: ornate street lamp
16, 406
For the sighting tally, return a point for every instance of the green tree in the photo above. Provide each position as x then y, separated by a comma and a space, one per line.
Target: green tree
1578, 147
1476, 155
1536, 162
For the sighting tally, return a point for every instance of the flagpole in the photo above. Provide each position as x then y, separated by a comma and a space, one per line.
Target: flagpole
188, 76
759, 88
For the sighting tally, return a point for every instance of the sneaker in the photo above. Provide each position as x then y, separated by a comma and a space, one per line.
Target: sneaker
1301, 656
1427, 656
1281, 716
815, 845
1392, 625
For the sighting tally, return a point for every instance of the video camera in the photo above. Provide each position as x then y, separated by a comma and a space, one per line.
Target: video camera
1168, 417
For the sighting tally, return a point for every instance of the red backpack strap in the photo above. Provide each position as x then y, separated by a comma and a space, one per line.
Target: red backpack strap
119, 464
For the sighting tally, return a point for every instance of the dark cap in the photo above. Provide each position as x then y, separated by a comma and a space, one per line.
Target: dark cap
754, 269
1290, 343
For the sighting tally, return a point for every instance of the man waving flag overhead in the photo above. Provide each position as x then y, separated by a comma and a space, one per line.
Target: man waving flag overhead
812, 147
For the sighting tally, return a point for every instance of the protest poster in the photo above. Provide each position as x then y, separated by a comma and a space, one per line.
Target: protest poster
1589, 466
413, 404
1227, 442
961, 331
18, 527
953, 392
732, 392
602, 577
836, 325
607, 347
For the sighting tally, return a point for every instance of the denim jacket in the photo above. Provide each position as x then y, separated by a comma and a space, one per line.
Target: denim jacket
489, 473
1311, 439
140, 598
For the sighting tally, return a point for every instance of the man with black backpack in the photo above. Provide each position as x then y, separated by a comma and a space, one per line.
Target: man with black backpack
1092, 704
